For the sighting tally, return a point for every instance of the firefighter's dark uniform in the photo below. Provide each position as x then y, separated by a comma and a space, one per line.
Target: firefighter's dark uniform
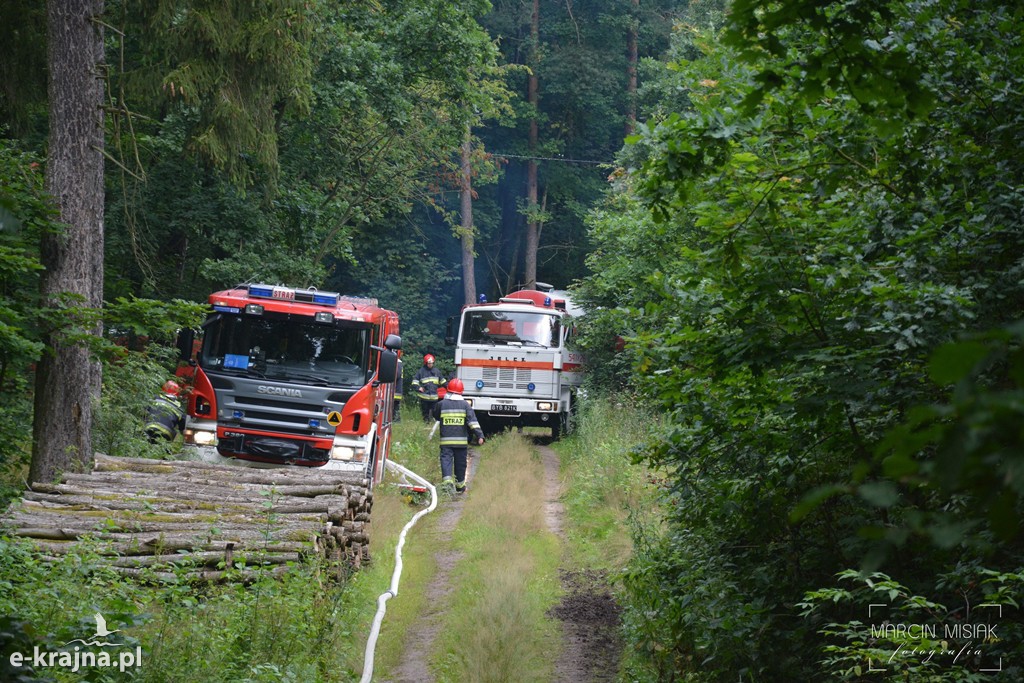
428, 379
164, 418
398, 395
458, 422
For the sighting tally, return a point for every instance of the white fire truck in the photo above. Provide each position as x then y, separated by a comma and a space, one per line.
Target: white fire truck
289, 376
514, 361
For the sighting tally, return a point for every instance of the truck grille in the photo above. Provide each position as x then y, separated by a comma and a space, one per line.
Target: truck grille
500, 378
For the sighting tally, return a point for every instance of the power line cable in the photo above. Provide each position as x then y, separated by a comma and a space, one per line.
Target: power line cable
563, 160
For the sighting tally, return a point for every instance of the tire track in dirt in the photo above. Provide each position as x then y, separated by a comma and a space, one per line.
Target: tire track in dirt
419, 641
591, 646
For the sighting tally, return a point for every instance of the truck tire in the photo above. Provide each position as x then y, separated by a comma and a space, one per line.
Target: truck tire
560, 426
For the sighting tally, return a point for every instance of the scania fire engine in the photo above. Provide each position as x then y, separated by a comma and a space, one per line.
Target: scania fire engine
513, 359
289, 376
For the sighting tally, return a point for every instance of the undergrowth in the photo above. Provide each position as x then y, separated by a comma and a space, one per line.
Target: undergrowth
304, 627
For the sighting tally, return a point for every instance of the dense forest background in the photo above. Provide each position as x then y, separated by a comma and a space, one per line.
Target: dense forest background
805, 219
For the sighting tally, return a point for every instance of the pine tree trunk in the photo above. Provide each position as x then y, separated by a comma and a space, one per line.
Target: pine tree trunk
68, 377
532, 233
468, 264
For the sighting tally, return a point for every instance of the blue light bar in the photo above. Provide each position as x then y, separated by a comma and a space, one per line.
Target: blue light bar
226, 309
261, 291
326, 299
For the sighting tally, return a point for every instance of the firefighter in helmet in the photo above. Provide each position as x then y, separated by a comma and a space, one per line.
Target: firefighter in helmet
425, 383
459, 428
165, 416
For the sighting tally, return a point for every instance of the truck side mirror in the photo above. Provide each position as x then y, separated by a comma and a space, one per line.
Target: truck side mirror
393, 342
184, 343
387, 369
449, 331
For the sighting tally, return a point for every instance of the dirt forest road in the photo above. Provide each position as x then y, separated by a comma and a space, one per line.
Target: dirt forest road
588, 616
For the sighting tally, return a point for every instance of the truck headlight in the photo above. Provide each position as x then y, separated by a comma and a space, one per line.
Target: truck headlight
544, 405
347, 453
200, 437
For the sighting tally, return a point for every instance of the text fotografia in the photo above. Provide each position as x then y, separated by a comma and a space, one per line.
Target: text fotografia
78, 658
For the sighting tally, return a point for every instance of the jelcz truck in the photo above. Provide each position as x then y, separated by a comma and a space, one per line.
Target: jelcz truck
293, 377
514, 360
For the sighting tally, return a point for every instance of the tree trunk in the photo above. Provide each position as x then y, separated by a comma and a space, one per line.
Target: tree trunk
532, 235
631, 62
68, 377
468, 264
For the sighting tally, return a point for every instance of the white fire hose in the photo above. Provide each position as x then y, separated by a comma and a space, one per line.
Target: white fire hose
371, 643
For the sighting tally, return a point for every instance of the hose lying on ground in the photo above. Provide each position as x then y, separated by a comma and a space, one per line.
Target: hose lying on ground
371, 642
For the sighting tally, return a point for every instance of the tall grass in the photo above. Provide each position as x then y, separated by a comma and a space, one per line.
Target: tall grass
495, 629
605, 492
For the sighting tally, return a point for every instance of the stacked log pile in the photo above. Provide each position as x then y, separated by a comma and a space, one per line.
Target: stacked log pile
169, 519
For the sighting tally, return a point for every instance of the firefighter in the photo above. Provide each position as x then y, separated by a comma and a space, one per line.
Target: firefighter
425, 383
398, 394
459, 428
165, 417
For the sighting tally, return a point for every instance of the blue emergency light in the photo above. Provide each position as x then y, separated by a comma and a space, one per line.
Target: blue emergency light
326, 299
261, 291
482, 298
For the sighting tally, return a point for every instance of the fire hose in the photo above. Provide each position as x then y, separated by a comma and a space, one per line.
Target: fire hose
392, 592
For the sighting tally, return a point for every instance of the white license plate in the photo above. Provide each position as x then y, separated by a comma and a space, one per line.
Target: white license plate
502, 409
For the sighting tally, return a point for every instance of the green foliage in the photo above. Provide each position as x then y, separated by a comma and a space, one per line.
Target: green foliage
787, 302
130, 383
25, 213
276, 629
931, 645
604, 486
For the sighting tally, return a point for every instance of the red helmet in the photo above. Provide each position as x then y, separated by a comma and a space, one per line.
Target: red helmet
428, 358
455, 386
171, 388
441, 392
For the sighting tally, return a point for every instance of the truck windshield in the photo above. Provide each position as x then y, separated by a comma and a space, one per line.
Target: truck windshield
511, 329
286, 348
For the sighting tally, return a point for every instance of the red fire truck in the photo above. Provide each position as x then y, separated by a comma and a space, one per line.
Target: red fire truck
288, 376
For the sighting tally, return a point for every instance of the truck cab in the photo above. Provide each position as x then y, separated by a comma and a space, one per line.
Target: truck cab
513, 359
293, 377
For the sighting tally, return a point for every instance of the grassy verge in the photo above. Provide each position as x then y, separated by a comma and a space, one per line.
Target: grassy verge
606, 495
495, 628
391, 511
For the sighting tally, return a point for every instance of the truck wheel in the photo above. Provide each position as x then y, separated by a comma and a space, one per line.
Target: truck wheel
371, 464
560, 426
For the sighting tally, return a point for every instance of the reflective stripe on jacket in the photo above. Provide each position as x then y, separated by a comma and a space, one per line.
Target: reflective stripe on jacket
164, 417
429, 379
457, 421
